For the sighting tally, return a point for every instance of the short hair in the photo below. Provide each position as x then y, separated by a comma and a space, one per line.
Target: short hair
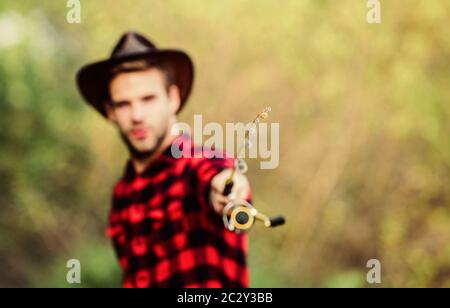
144, 64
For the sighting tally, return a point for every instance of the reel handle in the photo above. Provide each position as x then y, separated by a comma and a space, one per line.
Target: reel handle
277, 221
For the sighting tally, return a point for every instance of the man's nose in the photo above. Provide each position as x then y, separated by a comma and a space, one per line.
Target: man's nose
137, 113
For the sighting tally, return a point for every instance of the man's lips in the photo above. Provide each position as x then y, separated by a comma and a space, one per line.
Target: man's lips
139, 133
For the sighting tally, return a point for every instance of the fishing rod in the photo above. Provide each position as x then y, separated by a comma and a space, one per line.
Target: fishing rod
239, 215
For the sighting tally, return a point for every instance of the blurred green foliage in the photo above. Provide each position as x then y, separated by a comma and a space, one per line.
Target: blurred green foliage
364, 113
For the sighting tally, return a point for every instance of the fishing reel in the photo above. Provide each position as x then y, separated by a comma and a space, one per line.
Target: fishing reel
240, 216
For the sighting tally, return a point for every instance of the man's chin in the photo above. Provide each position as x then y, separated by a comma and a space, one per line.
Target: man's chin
142, 149
145, 149
143, 145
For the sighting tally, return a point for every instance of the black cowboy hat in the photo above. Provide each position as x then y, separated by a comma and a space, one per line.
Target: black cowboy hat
93, 79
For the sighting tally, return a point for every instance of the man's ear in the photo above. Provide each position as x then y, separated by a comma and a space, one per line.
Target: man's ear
174, 98
110, 114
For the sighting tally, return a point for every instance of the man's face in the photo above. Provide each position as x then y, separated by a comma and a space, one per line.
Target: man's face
142, 108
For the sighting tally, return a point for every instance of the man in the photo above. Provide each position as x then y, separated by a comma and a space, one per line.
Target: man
165, 221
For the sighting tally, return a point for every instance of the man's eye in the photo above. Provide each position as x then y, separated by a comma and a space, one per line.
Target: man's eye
120, 104
148, 98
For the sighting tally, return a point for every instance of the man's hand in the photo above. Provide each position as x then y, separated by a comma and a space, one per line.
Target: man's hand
241, 189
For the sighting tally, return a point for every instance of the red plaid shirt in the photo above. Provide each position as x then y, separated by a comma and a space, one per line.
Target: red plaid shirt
166, 233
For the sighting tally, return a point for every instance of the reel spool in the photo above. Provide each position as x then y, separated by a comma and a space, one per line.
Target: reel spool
240, 216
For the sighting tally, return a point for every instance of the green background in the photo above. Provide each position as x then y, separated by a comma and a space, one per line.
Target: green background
364, 134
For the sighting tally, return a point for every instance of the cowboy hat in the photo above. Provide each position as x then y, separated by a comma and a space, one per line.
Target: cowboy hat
93, 79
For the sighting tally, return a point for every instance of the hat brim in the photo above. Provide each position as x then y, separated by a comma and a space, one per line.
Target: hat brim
92, 79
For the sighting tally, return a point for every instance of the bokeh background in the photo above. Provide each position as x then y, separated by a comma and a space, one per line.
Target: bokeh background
364, 119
